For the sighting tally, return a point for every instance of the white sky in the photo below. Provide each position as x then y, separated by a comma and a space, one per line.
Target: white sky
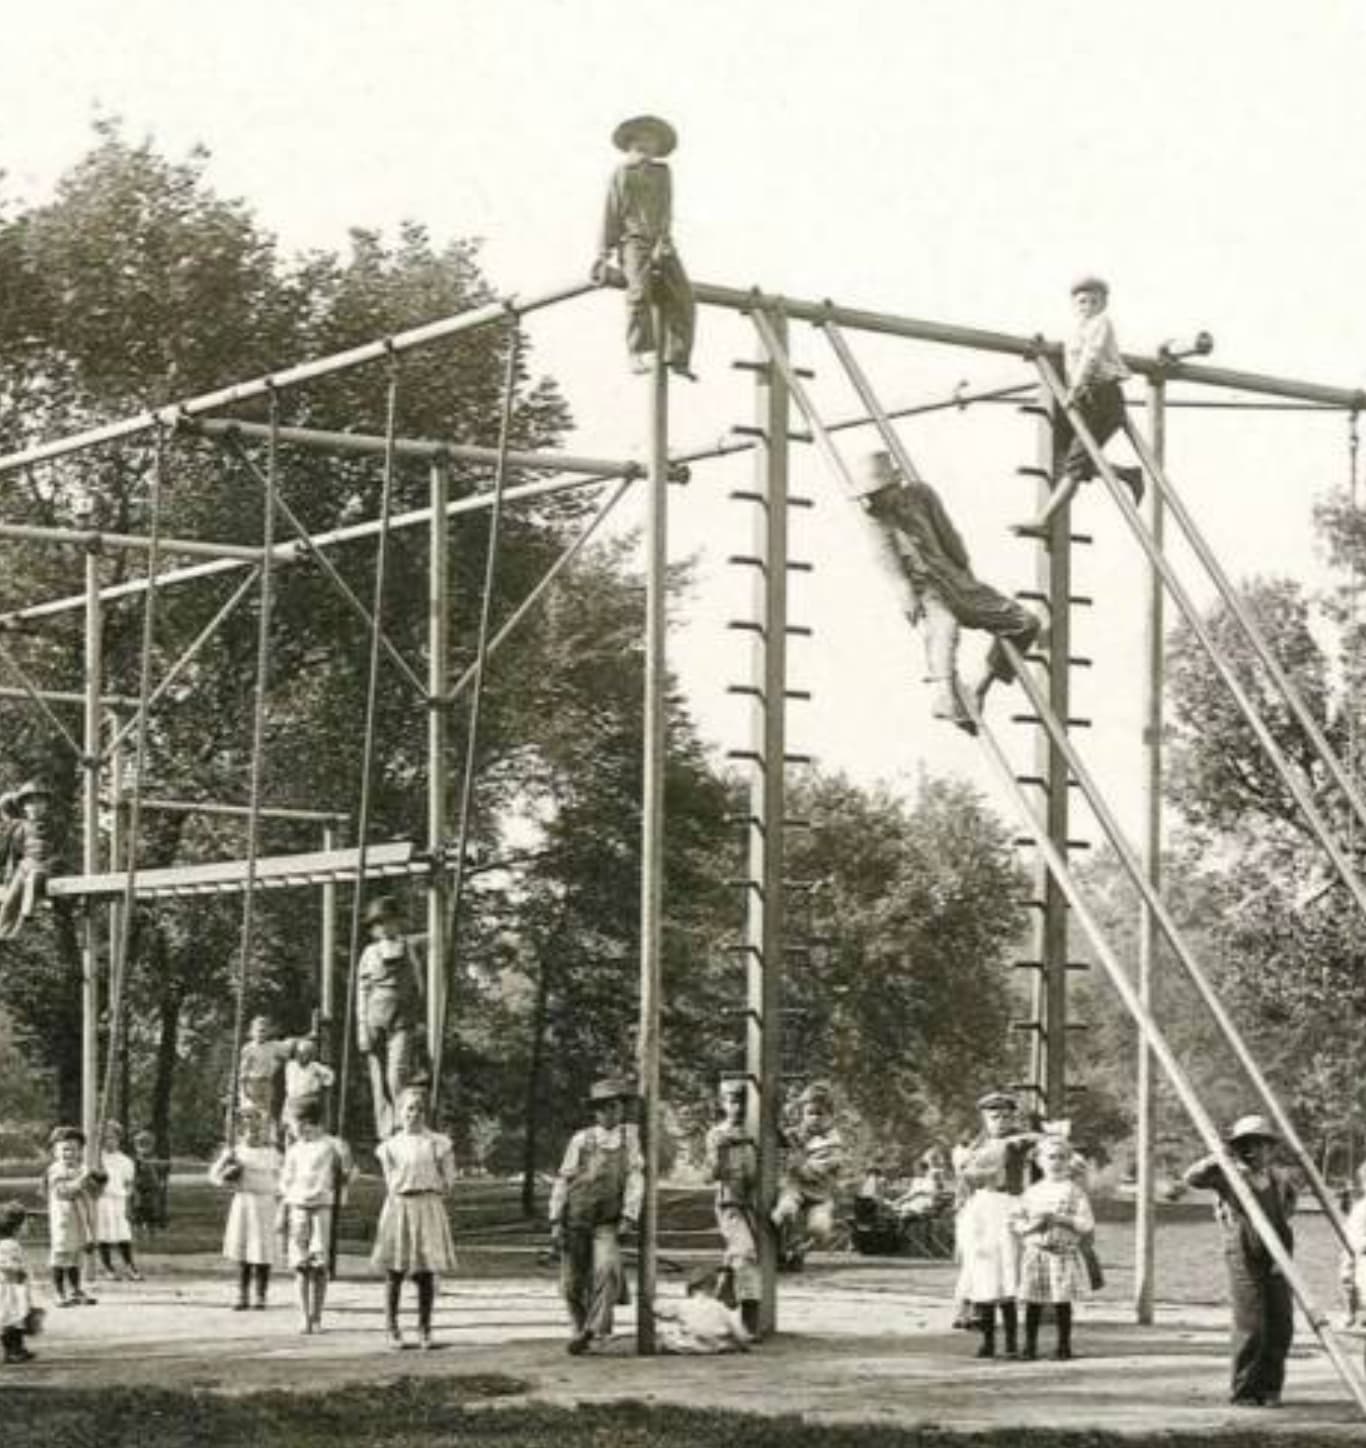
960, 161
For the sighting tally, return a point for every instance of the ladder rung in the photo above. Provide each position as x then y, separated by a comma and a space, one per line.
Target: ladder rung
799, 758
1028, 842
804, 694
1034, 719
797, 501
799, 630
748, 495
797, 565
752, 754
748, 560
1026, 1026
1028, 530
752, 689
747, 624
747, 364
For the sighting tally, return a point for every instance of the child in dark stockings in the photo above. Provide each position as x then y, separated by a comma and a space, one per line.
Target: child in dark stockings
71, 1191
19, 1318
112, 1227
414, 1236
252, 1169
1051, 1220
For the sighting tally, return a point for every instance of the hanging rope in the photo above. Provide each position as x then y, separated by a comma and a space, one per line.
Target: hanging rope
368, 747
118, 966
438, 1046
258, 742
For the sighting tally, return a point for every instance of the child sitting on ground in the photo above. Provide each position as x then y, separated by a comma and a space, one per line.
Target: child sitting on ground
71, 1192
19, 1318
316, 1168
700, 1323
1052, 1218
112, 1227
252, 1169
815, 1162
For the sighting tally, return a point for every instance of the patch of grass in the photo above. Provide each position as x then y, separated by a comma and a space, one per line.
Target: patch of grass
425, 1413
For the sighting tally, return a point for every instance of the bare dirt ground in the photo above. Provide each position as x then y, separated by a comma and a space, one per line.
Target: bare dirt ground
863, 1343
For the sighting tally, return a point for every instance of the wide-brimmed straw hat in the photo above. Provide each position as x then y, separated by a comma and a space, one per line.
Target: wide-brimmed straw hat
659, 131
610, 1088
382, 907
1252, 1128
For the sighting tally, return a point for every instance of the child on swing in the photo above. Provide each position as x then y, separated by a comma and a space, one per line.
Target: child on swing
316, 1168
251, 1168
414, 1236
112, 1227
815, 1162
71, 1191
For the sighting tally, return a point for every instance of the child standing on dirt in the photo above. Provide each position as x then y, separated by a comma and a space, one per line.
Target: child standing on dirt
732, 1162
814, 1165
71, 1192
414, 1235
18, 1316
151, 1177
251, 1168
112, 1227
316, 1168
1052, 1219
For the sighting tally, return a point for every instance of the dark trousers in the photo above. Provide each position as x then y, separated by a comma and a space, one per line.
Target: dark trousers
662, 280
1263, 1326
1102, 410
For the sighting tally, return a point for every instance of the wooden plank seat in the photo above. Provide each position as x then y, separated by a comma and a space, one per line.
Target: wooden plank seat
273, 872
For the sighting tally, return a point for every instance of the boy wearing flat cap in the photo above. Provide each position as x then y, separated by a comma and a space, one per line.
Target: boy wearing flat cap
596, 1197
931, 563
638, 227
389, 1010
1095, 374
1263, 1308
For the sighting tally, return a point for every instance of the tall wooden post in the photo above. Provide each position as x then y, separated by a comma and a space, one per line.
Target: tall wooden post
1050, 989
115, 934
327, 951
90, 850
765, 933
652, 830
438, 730
1145, 1234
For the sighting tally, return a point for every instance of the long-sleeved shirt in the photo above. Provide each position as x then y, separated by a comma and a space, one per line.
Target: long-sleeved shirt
639, 204
1093, 353
1274, 1190
919, 530
315, 1171
733, 1164
417, 1161
388, 988
601, 1179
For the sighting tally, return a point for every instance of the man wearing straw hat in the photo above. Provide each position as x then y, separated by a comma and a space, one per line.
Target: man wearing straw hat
597, 1196
1263, 1308
388, 1010
638, 226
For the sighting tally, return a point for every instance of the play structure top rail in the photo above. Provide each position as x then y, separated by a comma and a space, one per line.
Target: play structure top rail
733, 298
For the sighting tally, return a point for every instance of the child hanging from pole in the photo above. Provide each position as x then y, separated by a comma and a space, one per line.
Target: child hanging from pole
414, 1234
316, 1169
389, 1010
71, 1191
112, 1227
1095, 374
251, 1169
813, 1166
638, 226
931, 563
732, 1162
1052, 1220
596, 1197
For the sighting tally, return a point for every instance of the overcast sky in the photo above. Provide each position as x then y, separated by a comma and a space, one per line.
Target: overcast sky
960, 161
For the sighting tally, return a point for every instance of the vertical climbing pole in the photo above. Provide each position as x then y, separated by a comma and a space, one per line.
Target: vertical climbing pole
438, 730
765, 929
652, 828
90, 848
1145, 1233
327, 951
1054, 585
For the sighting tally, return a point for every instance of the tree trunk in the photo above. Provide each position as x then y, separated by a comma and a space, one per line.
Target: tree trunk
168, 1042
533, 1085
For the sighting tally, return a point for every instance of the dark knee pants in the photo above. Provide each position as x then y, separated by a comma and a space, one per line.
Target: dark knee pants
1102, 410
1263, 1325
663, 281
975, 604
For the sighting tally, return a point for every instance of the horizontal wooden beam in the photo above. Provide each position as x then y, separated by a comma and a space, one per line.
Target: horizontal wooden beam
225, 877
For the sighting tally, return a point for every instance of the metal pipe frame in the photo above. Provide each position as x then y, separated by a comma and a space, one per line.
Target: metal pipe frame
344, 589
64, 696
91, 540
386, 348
1162, 484
1152, 901
423, 449
1191, 613
35, 697
240, 811
1151, 1031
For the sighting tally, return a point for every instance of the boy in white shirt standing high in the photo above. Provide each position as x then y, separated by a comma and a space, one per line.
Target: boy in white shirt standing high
1095, 374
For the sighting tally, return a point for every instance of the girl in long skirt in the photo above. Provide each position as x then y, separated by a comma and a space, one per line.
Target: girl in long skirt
414, 1236
252, 1169
1052, 1219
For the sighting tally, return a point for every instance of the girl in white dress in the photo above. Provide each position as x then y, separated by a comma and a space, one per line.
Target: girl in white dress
252, 1170
414, 1236
1052, 1218
112, 1227
18, 1316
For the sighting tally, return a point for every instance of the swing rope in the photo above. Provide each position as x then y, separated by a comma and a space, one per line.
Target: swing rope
368, 746
258, 739
479, 670
118, 965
